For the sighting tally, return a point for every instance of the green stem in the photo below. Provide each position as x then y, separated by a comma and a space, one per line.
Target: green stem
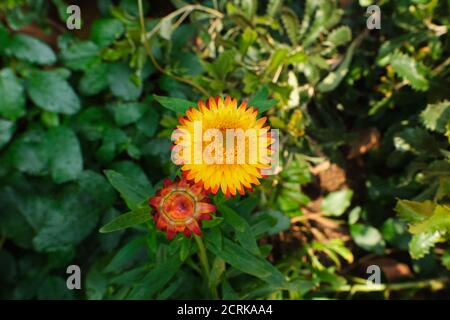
205, 264
202, 256
145, 37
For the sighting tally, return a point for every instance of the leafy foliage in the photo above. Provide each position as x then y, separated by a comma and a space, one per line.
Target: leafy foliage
364, 162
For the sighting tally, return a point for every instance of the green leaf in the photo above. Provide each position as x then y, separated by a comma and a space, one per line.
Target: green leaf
244, 261
243, 231
125, 254
63, 148
30, 49
340, 36
179, 106
12, 99
261, 100
416, 140
335, 203
333, 79
49, 91
81, 55
394, 232
105, 31
421, 243
248, 37
127, 113
126, 220
149, 122
65, 218
156, 279
28, 153
413, 211
7, 129
133, 191
217, 270
121, 84
273, 7
438, 221
436, 116
232, 217
290, 23
95, 79
367, 237
410, 70
277, 59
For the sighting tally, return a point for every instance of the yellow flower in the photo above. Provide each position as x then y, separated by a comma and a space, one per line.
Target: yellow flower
223, 146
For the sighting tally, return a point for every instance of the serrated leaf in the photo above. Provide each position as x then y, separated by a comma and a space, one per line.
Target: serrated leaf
438, 221
340, 36
333, 79
179, 106
127, 220
421, 244
273, 7
436, 116
290, 23
407, 68
414, 211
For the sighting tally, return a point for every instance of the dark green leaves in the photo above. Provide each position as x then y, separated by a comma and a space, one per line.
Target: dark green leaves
51, 92
133, 191
121, 84
244, 261
127, 220
156, 279
261, 100
126, 113
81, 55
232, 217
179, 106
30, 49
105, 31
66, 161
6, 131
12, 99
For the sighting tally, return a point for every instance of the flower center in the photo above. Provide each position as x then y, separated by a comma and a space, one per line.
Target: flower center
178, 206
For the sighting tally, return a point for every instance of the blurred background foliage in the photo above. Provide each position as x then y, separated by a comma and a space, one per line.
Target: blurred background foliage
364, 177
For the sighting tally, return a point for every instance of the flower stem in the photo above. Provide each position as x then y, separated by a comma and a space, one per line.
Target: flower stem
205, 263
